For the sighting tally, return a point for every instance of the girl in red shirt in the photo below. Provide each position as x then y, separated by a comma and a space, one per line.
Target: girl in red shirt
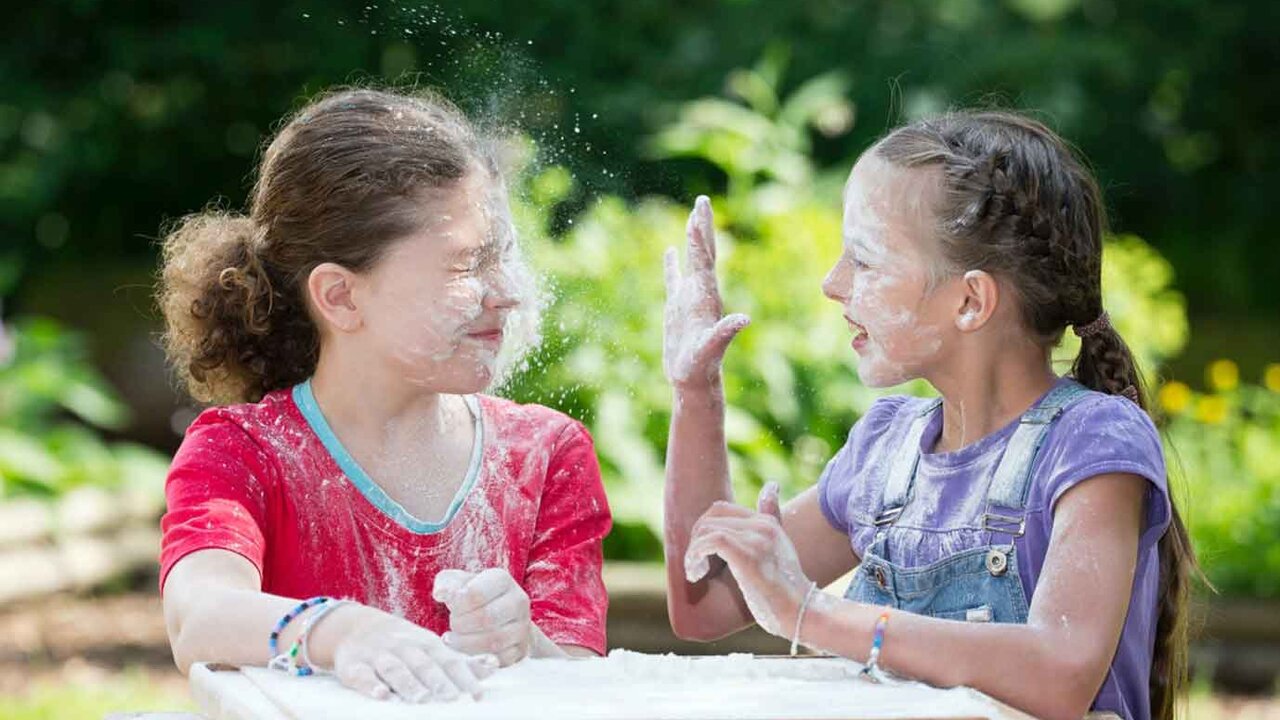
345, 327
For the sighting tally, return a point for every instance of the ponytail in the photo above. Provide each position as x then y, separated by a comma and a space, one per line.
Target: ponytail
233, 332
1106, 364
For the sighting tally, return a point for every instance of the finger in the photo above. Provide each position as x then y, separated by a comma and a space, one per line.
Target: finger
397, 675
430, 674
702, 238
726, 508
460, 672
671, 271
447, 584
767, 503
723, 333
746, 537
512, 654
482, 590
361, 678
483, 665
509, 608
489, 640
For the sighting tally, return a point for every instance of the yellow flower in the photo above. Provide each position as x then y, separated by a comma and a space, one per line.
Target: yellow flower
1271, 377
1223, 375
1211, 410
1174, 397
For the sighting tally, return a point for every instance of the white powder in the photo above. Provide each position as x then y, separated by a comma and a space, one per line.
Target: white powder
629, 686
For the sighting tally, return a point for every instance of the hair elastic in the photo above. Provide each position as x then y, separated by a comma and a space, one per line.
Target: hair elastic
1099, 324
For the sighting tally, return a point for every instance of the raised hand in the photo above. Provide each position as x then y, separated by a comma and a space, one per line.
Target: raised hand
696, 331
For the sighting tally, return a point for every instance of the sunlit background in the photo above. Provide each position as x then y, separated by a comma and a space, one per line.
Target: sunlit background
119, 117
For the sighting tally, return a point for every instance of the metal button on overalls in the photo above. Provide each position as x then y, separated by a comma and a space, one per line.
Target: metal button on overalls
879, 573
997, 562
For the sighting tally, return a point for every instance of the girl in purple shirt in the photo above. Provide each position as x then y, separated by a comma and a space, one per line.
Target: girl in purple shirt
1015, 535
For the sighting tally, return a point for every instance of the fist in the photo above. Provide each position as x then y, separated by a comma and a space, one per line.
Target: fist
488, 614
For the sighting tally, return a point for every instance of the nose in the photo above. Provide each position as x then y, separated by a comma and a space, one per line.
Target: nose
504, 290
838, 282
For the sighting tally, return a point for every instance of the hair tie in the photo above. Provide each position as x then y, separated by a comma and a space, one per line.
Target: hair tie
1102, 323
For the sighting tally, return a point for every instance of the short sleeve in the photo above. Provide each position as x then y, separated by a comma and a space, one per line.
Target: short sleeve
567, 596
843, 472
1101, 435
215, 495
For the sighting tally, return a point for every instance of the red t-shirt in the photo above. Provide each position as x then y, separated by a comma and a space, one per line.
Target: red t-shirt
271, 482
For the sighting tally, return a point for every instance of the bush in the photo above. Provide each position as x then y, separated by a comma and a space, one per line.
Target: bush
790, 378
54, 409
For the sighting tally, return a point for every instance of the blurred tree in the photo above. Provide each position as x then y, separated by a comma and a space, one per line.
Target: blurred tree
116, 114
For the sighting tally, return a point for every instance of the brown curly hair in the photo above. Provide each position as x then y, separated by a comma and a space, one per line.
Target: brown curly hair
340, 182
1018, 203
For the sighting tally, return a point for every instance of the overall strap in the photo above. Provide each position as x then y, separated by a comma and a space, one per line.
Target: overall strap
902, 472
1008, 489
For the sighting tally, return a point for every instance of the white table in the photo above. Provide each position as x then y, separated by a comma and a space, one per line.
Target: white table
624, 686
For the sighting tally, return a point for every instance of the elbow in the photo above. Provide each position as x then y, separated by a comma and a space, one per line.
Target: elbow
690, 627
1073, 683
179, 626
686, 625
688, 630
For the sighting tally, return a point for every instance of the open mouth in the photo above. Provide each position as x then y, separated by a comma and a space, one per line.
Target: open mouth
859, 332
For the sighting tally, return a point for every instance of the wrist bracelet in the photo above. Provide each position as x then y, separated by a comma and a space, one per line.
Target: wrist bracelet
287, 661
872, 669
312, 621
804, 605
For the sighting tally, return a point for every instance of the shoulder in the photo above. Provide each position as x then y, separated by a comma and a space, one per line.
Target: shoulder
530, 423
1099, 434
243, 424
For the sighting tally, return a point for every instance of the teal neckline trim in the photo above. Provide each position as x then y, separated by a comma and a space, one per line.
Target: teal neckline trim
305, 399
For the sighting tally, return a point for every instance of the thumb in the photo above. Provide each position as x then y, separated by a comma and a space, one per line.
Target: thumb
721, 335
767, 503
448, 583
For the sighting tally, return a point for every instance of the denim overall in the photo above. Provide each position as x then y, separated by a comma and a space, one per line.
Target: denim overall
976, 585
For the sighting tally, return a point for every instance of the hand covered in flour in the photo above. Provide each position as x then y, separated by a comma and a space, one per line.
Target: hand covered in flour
488, 613
759, 554
384, 655
696, 332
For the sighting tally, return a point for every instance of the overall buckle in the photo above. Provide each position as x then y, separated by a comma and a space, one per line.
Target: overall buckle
1008, 524
888, 516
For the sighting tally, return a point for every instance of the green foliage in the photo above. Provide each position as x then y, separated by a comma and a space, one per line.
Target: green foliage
791, 381
1225, 466
53, 409
116, 115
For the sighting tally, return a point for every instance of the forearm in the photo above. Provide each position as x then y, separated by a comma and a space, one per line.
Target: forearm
1032, 668
697, 477
232, 626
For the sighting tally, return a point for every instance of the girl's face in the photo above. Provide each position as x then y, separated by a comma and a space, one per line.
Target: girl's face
436, 304
882, 277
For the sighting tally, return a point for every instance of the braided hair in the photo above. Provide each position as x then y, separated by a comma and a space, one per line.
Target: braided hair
1019, 204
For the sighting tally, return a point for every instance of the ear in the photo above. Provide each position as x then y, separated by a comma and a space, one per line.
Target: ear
331, 290
980, 295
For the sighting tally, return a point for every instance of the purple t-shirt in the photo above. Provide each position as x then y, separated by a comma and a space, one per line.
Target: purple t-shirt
1096, 435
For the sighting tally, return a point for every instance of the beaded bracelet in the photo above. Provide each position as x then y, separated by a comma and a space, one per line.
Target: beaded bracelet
288, 661
305, 635
872, 668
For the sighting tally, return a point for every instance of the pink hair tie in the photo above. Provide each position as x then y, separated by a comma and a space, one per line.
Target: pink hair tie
1103, 322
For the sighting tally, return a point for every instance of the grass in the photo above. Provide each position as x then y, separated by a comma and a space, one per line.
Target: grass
92, 698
